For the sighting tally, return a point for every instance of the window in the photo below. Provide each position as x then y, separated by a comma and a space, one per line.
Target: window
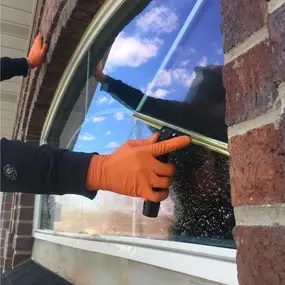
171, 56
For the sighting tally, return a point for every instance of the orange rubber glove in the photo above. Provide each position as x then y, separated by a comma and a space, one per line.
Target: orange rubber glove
38, 52
133, 170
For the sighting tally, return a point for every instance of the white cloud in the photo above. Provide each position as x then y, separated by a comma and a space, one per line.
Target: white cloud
98, 119
119, 116
159, 20
86, 137
102, 100
164, 79
108, 133
183, 76
132, 51
159, 93
180, 75
219, 51
112, 144
192, 50
111, 101
185, 62
203, 61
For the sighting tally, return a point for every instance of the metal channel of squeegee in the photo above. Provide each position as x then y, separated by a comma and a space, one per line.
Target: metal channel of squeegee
196, 138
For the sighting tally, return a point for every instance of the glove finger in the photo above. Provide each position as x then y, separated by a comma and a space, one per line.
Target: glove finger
167, 146
153, 139
156, 196
39, 40
162, 182
44, 50
163, 169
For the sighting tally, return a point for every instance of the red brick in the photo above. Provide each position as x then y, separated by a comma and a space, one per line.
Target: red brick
249, 84
276, 27
241, 18
59, 22
282, 128
23, 242
260, 255
257, 167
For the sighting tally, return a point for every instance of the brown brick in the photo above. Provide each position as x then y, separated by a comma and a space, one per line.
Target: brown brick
20, 257
248, 80
7, 264
8, 251
26, 199
5, 215
25, 213
8, 197
3, 233
276, 27
9, 238
257, 167
241, 18
23, 228
6, 206
23, 242
5, 224
260, 255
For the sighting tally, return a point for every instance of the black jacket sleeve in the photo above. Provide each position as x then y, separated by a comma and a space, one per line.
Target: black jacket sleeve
13, 67
43, 170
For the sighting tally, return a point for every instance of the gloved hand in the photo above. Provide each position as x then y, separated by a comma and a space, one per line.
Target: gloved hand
133, 170
99, 74
37, 53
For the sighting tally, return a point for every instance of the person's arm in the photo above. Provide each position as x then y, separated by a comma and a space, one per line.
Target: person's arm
131, 170
20, 66
43, 170
170, 111
11, 67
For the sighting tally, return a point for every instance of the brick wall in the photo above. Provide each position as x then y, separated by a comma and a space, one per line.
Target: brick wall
62, 24
254, 77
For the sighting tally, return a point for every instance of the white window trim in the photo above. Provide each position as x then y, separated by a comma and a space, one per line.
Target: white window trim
206, 262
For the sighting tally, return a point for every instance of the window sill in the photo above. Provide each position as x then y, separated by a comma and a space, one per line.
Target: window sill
206, 262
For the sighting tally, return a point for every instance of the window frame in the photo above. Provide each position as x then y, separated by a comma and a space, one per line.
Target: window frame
203, 261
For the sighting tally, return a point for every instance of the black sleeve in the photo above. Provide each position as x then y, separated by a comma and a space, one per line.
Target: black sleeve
43, 170
13, 67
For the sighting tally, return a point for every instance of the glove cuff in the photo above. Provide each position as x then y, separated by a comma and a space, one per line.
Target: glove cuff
96, 175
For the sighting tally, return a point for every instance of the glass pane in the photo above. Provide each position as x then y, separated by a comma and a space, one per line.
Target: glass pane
165, 52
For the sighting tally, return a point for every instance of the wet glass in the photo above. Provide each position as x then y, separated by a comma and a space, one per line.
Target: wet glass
171, 56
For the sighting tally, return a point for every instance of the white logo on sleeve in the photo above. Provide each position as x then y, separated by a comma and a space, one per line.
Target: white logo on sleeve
10, 172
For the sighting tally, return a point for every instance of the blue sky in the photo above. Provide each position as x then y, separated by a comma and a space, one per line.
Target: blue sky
136, 57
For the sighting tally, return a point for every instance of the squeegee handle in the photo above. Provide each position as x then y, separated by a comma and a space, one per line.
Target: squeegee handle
151, 209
